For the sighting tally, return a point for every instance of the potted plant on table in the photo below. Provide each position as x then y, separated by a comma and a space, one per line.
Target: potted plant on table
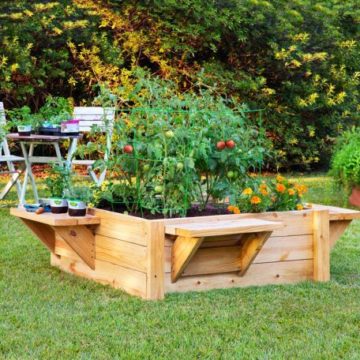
57, 183
78, 198
55, 112
24, 120
345, 164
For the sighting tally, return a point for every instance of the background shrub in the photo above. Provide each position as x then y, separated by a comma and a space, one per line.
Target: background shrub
297, 59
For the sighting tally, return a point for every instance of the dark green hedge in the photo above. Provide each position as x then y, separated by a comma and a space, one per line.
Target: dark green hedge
300, 59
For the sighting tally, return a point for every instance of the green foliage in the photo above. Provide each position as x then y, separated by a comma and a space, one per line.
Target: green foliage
22, 116
345, 164
165, 157
58, 180
55, 110
299, 60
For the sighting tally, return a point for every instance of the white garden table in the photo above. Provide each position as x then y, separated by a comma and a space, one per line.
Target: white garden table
28, 144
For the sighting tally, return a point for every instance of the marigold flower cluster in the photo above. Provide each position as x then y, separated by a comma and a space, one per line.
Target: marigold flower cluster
277, 194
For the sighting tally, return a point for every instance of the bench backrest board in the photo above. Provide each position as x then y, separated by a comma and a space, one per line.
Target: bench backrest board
94, 116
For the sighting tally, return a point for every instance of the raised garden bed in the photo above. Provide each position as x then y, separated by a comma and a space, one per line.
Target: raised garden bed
149, 258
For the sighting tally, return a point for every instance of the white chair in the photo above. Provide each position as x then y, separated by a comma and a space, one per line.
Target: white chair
6, 157
102, 118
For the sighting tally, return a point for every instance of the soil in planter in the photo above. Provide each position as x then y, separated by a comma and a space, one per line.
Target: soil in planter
146, 214
59, 209
77, 212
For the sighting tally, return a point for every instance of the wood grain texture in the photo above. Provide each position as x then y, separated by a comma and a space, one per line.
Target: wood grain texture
55, 219
287, 272
206, 228
274, 250
44, 233
155, 261
321, 245
182, 252
337, 228
251, 244
122, 227
121, 253
295, 222
131, 281
337, 213
81, 240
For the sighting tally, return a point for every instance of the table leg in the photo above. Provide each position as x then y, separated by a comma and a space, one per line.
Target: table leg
28, 173
71, 152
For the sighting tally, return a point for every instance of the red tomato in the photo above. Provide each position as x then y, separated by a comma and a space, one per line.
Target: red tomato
128, 149
220, 145
230, 144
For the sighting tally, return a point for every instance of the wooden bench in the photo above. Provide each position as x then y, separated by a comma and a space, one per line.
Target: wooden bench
73, 230
190, 236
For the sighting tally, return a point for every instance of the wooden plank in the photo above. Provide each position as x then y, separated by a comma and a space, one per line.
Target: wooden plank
321, 245
338, 213
121, 253
81, 240
131, 281
295, 222
216, 228
337, 228
122, 227
250, 247
155, 261
286, 272
55, 219
182, 251
44, 232
222, 259
63, 249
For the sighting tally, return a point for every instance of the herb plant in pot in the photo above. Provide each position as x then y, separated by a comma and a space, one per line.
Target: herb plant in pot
78, 197
57, 183
23, 119
345, 164
55, 111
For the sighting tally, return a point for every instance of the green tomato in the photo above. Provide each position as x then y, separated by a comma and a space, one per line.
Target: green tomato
146, 167
179, 166
158, 189
169, 134
230, 174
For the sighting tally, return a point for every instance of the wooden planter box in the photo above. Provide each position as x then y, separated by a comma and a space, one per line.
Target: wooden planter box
149, 258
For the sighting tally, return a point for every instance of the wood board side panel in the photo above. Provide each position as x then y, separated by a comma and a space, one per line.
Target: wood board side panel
117, 252
223, 258
122, 227
131, 281
287, 272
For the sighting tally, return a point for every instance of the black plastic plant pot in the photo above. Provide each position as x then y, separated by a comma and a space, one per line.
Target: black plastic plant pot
24, 130
58, 206
76, 208
50, 130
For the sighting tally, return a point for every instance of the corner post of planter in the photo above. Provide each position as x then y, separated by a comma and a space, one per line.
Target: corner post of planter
321, 245
155, 287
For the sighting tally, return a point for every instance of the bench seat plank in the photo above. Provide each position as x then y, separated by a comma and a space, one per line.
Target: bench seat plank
226, 227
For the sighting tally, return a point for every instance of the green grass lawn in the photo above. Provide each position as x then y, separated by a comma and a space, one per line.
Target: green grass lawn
45, 313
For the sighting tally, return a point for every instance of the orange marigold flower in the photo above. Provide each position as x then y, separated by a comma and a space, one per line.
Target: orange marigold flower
280, 188
280, 178
291, 192
264, 192
255, 200
231, 208
247, 191
299, 207
263, 187
301, 189
236, 210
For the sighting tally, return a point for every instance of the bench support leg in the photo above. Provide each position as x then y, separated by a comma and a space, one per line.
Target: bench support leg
182, 252
251, 244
